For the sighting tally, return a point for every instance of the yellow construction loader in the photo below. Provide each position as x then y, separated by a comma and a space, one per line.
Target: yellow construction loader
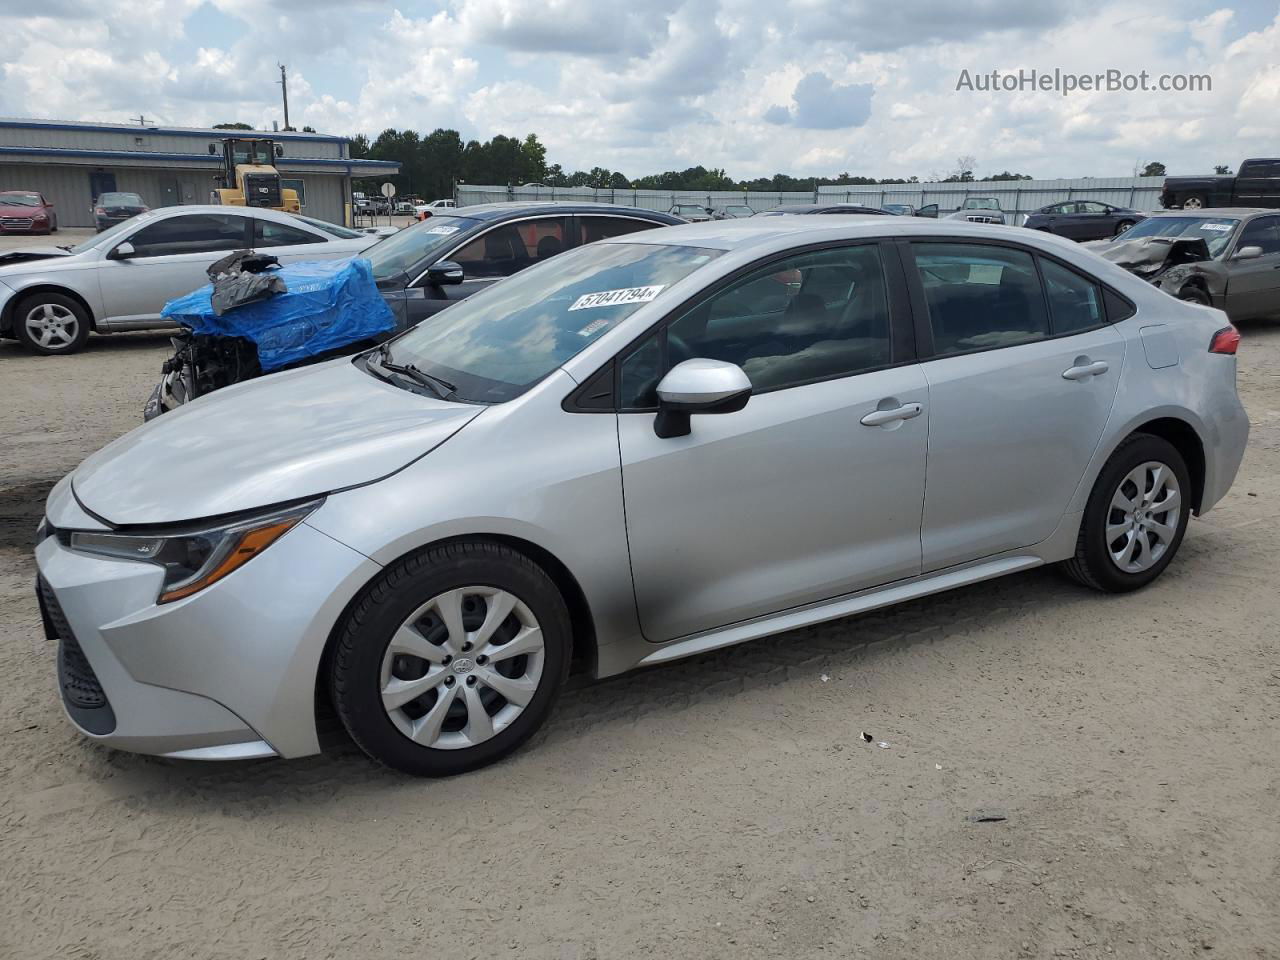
249, 176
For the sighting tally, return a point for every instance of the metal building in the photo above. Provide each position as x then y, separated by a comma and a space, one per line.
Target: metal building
71, 163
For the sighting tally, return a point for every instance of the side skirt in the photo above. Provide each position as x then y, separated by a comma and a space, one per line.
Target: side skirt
840, 607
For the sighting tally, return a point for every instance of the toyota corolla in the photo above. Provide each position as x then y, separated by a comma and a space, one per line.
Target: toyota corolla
645, 448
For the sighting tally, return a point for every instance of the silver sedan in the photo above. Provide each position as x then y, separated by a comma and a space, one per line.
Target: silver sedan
645, 448
51, 298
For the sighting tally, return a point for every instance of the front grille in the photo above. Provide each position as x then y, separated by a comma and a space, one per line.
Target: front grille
81, 691
983, 218
16, 223
262, 191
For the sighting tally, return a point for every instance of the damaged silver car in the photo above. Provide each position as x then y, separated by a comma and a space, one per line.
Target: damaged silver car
1224, 258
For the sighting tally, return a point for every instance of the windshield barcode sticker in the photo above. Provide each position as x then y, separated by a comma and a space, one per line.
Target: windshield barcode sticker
443, 229
612, 298
1224, 227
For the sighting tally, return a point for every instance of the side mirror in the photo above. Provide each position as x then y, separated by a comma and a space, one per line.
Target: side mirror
1248, 253
698, 386
279, 149
445, 273
123, 251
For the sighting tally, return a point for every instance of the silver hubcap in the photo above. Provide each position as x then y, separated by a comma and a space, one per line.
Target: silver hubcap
52, 325
1144, 515
1192, 203
462, 667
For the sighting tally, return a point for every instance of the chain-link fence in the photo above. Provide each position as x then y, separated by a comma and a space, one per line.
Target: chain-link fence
1017, 198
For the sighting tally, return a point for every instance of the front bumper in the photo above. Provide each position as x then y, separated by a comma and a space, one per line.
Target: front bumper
227, 673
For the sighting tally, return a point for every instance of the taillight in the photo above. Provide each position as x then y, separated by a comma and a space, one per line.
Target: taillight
1225, 340
100, 211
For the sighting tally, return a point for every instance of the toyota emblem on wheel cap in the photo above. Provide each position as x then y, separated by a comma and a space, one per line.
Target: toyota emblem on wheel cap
463, 665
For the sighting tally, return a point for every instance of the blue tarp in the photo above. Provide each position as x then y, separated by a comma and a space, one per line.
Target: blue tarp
329, 304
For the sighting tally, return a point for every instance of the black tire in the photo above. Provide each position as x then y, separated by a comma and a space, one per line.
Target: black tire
60, 303
1092, 565
355, 673
1122, 226
1194, 201
1195, 295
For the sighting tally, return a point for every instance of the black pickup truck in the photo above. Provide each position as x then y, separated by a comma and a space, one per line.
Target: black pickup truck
1257, 184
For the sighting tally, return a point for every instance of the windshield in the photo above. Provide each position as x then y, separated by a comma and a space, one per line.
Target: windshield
20, 199
981, 203
689, 208
396, 254
498, 343
899, 208
1216, 232
112, 234
332, 229
119, 200
741, 210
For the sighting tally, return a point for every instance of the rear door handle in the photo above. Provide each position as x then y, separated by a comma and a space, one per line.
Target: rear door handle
878, 418
1084, 369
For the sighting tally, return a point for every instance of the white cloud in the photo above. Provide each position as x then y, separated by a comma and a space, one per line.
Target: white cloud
649, 85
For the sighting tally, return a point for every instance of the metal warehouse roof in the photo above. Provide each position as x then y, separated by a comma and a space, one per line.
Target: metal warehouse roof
203, 132
143, 158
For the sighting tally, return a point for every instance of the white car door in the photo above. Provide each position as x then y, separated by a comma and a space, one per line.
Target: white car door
815, 488
1022, 384
169, 259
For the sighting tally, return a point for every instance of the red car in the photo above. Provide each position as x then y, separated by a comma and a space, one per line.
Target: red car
24, 211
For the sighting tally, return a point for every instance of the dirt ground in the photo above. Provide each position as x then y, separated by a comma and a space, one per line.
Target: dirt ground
720, 807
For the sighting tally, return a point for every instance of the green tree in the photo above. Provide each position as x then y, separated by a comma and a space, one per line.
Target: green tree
1153, 169
232, 126
1222, 170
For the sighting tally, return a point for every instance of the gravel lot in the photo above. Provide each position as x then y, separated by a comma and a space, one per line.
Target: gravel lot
721, 807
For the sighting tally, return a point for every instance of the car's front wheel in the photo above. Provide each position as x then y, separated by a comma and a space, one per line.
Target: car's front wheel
452, 659
51, 323
1136, 517
1122, 226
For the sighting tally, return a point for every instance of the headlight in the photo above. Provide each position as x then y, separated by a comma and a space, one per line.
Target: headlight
195, 558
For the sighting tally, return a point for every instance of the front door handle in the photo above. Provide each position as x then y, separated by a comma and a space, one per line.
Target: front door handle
878, 418
1084, 369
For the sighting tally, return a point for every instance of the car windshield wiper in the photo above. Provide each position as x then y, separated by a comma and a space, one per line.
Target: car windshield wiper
438, 385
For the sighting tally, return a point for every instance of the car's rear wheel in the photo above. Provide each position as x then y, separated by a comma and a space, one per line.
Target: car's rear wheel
452, 659
51, 323
1135, 519
1193, 201
1122, 226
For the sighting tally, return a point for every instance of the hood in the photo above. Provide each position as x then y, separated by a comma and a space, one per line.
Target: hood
294, 434
27, 254
1148, 257
21, 210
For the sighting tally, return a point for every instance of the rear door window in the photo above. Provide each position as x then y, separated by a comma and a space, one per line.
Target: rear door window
593, 228
980, 297
268, 233
1074, 302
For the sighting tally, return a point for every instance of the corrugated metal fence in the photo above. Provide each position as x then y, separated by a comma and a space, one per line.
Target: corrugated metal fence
1016, 197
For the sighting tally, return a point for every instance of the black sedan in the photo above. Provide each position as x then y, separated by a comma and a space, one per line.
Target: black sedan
1084, 219
112, 208
801, 208
438, 261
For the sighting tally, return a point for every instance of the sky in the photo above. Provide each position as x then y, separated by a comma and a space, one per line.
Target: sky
757, 87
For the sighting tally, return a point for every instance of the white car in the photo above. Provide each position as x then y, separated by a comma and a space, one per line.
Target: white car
434, 207
51, 298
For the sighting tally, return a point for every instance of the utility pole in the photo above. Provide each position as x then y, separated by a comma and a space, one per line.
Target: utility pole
142, 119
284, 92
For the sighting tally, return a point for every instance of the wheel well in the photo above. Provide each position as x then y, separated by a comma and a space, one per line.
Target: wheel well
6, 321
329, 727
1187, 442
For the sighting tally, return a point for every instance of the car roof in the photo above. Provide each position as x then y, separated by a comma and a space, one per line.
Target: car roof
503, 211
1214, 212
781, 231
